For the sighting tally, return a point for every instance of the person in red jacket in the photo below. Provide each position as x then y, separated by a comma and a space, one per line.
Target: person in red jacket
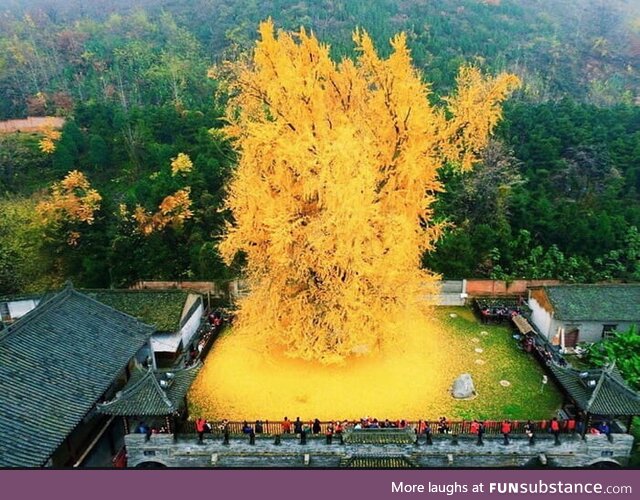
473, 428
505, 428
286, 426
201, 425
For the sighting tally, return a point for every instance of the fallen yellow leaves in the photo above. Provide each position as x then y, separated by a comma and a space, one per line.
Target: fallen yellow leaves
245, 379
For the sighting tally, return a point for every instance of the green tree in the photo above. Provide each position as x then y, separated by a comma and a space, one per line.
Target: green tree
624, 349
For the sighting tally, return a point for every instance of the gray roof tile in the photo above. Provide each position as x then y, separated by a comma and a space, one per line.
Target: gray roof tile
144, 396
600, 303
55, 363
609, 396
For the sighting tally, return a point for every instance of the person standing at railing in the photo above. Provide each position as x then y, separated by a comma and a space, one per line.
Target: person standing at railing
201, 425
480, 433
297, 426
443, 426
528, 430
555, 429
473, 428
420, 428
286, 426
505, 428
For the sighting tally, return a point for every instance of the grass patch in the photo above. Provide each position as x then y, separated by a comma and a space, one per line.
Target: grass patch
524, 397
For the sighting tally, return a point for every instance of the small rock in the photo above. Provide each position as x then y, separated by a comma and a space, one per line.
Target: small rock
463, 387
453, 315
505, 383
478, 350
480, 361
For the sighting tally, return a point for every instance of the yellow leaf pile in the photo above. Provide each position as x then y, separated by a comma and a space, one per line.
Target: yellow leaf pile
173, 210
333, 192
181, 164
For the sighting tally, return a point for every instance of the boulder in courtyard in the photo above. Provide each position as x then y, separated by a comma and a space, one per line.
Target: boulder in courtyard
463, 387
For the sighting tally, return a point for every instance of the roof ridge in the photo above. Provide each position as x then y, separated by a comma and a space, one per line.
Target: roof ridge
617, 379
590, 285
136, 290
603, 375
163, 394
198, 364
131, 391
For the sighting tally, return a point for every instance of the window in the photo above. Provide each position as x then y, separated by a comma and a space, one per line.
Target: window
608, 330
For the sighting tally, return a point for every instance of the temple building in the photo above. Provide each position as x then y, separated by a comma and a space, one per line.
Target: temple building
601, 394
568, 314
155, 398
175, 314
57, 363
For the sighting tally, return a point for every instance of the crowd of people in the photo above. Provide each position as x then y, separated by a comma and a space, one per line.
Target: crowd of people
422, 428
213, 326
499, 310
148, 430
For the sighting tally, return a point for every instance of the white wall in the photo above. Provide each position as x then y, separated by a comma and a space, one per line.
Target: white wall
19, 308
541, 318
591, 331
191, 326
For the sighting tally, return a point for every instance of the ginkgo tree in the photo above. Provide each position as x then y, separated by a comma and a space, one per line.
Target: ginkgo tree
71, 202
332, 195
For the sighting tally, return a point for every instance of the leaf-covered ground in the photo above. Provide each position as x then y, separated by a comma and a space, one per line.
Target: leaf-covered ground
240, 381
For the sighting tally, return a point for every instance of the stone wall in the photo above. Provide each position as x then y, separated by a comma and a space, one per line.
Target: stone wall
478, 288
31, 124
186, 452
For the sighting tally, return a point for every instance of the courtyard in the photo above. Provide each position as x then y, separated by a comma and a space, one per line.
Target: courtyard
412, 380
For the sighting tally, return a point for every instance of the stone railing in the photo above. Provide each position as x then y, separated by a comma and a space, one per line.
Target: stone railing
165, 450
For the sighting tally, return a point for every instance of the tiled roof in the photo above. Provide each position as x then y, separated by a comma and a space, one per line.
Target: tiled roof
160, 308
595, 302
380, 436
608, 394
377, 462
55, 364
145, 396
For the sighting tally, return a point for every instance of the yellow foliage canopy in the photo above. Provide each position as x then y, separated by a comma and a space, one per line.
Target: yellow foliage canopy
71, 200
48, 142
173, 210
333, 192
181, 164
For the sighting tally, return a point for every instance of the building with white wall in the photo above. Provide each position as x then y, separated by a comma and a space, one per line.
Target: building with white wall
568, 314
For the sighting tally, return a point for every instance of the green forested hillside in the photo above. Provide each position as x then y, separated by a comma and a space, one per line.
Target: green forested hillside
556, 194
